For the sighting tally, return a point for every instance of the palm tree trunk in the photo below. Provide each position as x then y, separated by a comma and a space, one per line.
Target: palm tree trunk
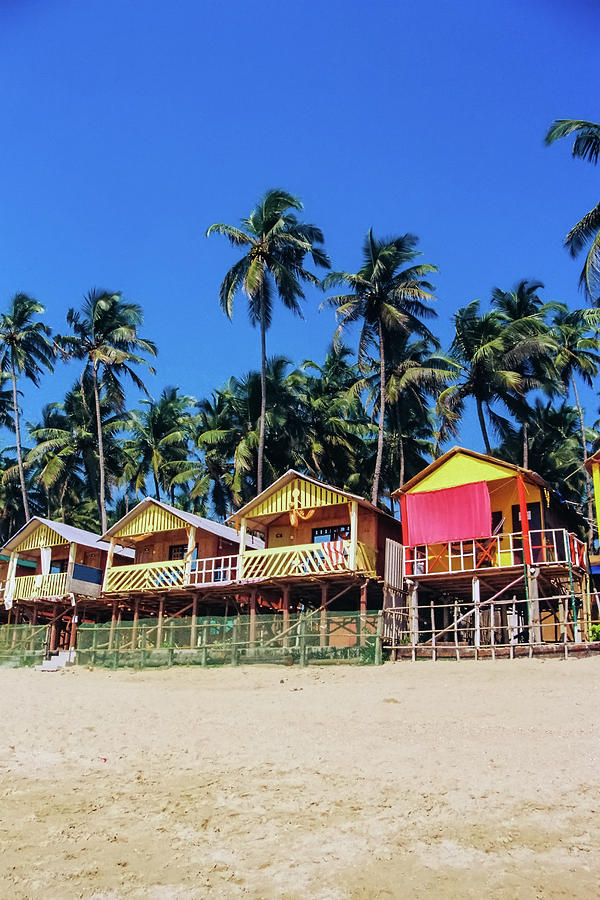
525, 446
102, 497
156, 487
379, 459
263, 397
18, 442
484, 433
588, 484
402, 461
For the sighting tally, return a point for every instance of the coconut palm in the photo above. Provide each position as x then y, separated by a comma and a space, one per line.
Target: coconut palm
386, 299
25, 349
586, 233
276, 245
524, 310
65, 457
105, 335
489, 354
159, 442
576, 334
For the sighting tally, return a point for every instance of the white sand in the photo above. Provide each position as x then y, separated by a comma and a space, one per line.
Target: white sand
447, 779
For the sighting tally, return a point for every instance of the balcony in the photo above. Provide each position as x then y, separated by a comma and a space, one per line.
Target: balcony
85, 580
305, 560
549, 547
172, 574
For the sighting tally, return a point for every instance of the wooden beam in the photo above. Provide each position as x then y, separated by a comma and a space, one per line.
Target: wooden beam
159, 629
353, 535
194, 627
323, 632
71, 563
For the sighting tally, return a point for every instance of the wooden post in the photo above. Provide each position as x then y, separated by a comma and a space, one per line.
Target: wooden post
194, 628
286, 614
513, 628
492, 631
73, 630
413, 600
353, 535
302, 639
113, 622
234, 641
9, 589
191, 544
134, 627
33, 624
242, 550
535, 627
94, 645
171, 642
252, 635
379, 640
71, 562
524, 519
476, 595
363, 613
456, 629
109, 562
159, 629
204, 645
323, 635
432, 613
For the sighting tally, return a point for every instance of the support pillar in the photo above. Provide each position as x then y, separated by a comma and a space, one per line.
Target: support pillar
109, 562
524, 519
476, 595
194, 628
413, 605
353, 535
113, 622
159, 630
253, 620
286, 614
73, 630
535, 627
363, 613
134, 627
323, 627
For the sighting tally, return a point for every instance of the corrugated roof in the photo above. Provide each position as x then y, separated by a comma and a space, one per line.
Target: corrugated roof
424, 473
289, 476
218, 528
71, 534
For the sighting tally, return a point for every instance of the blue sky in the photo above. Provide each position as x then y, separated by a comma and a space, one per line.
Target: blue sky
129, 127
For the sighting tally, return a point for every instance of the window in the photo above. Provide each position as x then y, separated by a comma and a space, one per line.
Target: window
58, 565
177, 551
331, 533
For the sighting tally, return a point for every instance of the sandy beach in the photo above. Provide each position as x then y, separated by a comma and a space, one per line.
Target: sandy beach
436, 779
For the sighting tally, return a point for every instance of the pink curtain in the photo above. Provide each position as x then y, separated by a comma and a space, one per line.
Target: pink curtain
453, 514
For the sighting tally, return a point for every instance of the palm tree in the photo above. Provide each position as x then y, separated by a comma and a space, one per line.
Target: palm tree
576, 333
25, 349
587, 231
276, 244
522, 309
159, 442
65, 456
105, 335
386, 299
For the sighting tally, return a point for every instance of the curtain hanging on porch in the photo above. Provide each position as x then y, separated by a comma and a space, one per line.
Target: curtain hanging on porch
452, 514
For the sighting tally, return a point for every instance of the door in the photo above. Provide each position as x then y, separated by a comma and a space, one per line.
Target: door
534, 520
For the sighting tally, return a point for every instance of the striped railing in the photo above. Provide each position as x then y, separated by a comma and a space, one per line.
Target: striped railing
305, 559
145, 576
32, 587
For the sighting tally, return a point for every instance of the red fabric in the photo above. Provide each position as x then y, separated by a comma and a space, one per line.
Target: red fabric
453, 514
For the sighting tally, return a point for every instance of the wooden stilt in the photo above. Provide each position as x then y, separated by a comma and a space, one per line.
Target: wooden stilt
475, 592
363, 613
113, 622
134, 628
323, 632
414, 618
253, 620
286, 614
492, 631
194, 626
456, 629
159, 629
73, 630
432, 613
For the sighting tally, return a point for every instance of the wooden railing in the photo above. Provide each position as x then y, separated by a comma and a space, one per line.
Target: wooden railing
216, 570
304, 559
146, 576
546, 547
31, 587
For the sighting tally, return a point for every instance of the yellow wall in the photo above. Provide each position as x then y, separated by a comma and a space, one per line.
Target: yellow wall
461, 469
156, 547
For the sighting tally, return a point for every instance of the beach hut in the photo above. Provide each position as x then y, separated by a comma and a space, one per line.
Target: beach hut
179, 559
483, 534
54, 573
321, 544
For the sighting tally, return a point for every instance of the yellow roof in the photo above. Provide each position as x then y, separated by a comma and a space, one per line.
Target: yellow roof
460, 466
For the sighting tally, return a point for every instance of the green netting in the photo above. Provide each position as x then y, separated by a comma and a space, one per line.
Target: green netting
22, 645
211, 640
